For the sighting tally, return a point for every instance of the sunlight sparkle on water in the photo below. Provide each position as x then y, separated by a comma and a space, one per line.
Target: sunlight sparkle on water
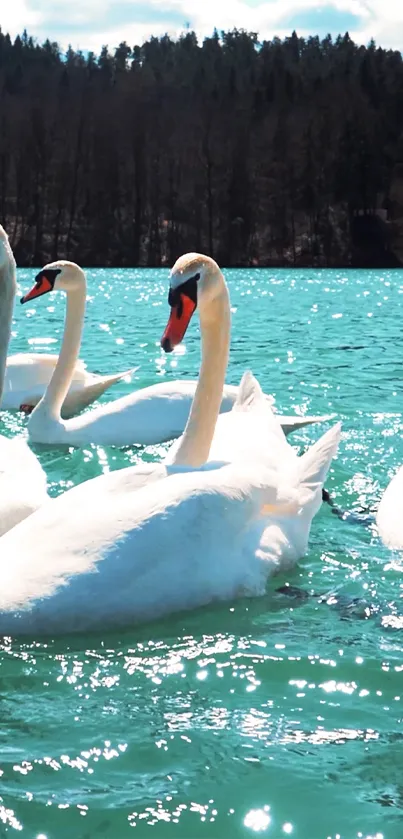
41, 341
258, 820
202, 675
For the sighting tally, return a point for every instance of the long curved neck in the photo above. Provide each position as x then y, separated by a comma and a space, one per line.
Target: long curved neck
55, 394
215, 325
7, 294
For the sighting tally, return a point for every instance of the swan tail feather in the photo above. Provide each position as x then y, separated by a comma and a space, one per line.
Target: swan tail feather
78, 399
290, 423
313, 467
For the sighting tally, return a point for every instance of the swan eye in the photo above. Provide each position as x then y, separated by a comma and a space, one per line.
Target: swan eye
53, 272
48, 274
189, 288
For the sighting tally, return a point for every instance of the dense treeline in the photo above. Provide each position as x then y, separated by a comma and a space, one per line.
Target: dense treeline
273, 152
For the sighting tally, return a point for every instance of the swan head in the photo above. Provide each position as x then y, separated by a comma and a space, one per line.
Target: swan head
195, 281
56, 276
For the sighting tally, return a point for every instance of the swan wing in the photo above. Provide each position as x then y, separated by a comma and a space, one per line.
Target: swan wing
28, 375
23, 485
307, 474
251, 431
312, 467
79, 397
288, 422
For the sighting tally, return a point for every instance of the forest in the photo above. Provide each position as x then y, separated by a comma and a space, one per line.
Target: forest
259, 153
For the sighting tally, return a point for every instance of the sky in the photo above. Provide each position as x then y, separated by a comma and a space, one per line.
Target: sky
90, 24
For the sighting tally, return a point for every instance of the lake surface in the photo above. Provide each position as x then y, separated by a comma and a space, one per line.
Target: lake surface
267, 717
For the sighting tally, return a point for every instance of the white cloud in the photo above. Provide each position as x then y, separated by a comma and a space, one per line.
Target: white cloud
15, 16
378, 19
386, 24
262, 18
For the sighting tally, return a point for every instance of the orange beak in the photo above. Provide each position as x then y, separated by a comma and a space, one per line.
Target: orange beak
178, 323
42, 286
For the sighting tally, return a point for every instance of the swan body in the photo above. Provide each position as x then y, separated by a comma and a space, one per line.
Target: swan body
154, 414
148, 416
389, 518
108, 552
144, 542
22, 479
27, 375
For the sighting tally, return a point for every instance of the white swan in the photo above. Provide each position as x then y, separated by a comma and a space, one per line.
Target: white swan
22, 479
251, 432
27, 375
389, 516
151, 415
143, 542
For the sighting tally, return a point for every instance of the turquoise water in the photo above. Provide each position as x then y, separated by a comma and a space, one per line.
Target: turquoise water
251, 719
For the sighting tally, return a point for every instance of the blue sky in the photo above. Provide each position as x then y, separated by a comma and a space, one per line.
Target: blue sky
88, 24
